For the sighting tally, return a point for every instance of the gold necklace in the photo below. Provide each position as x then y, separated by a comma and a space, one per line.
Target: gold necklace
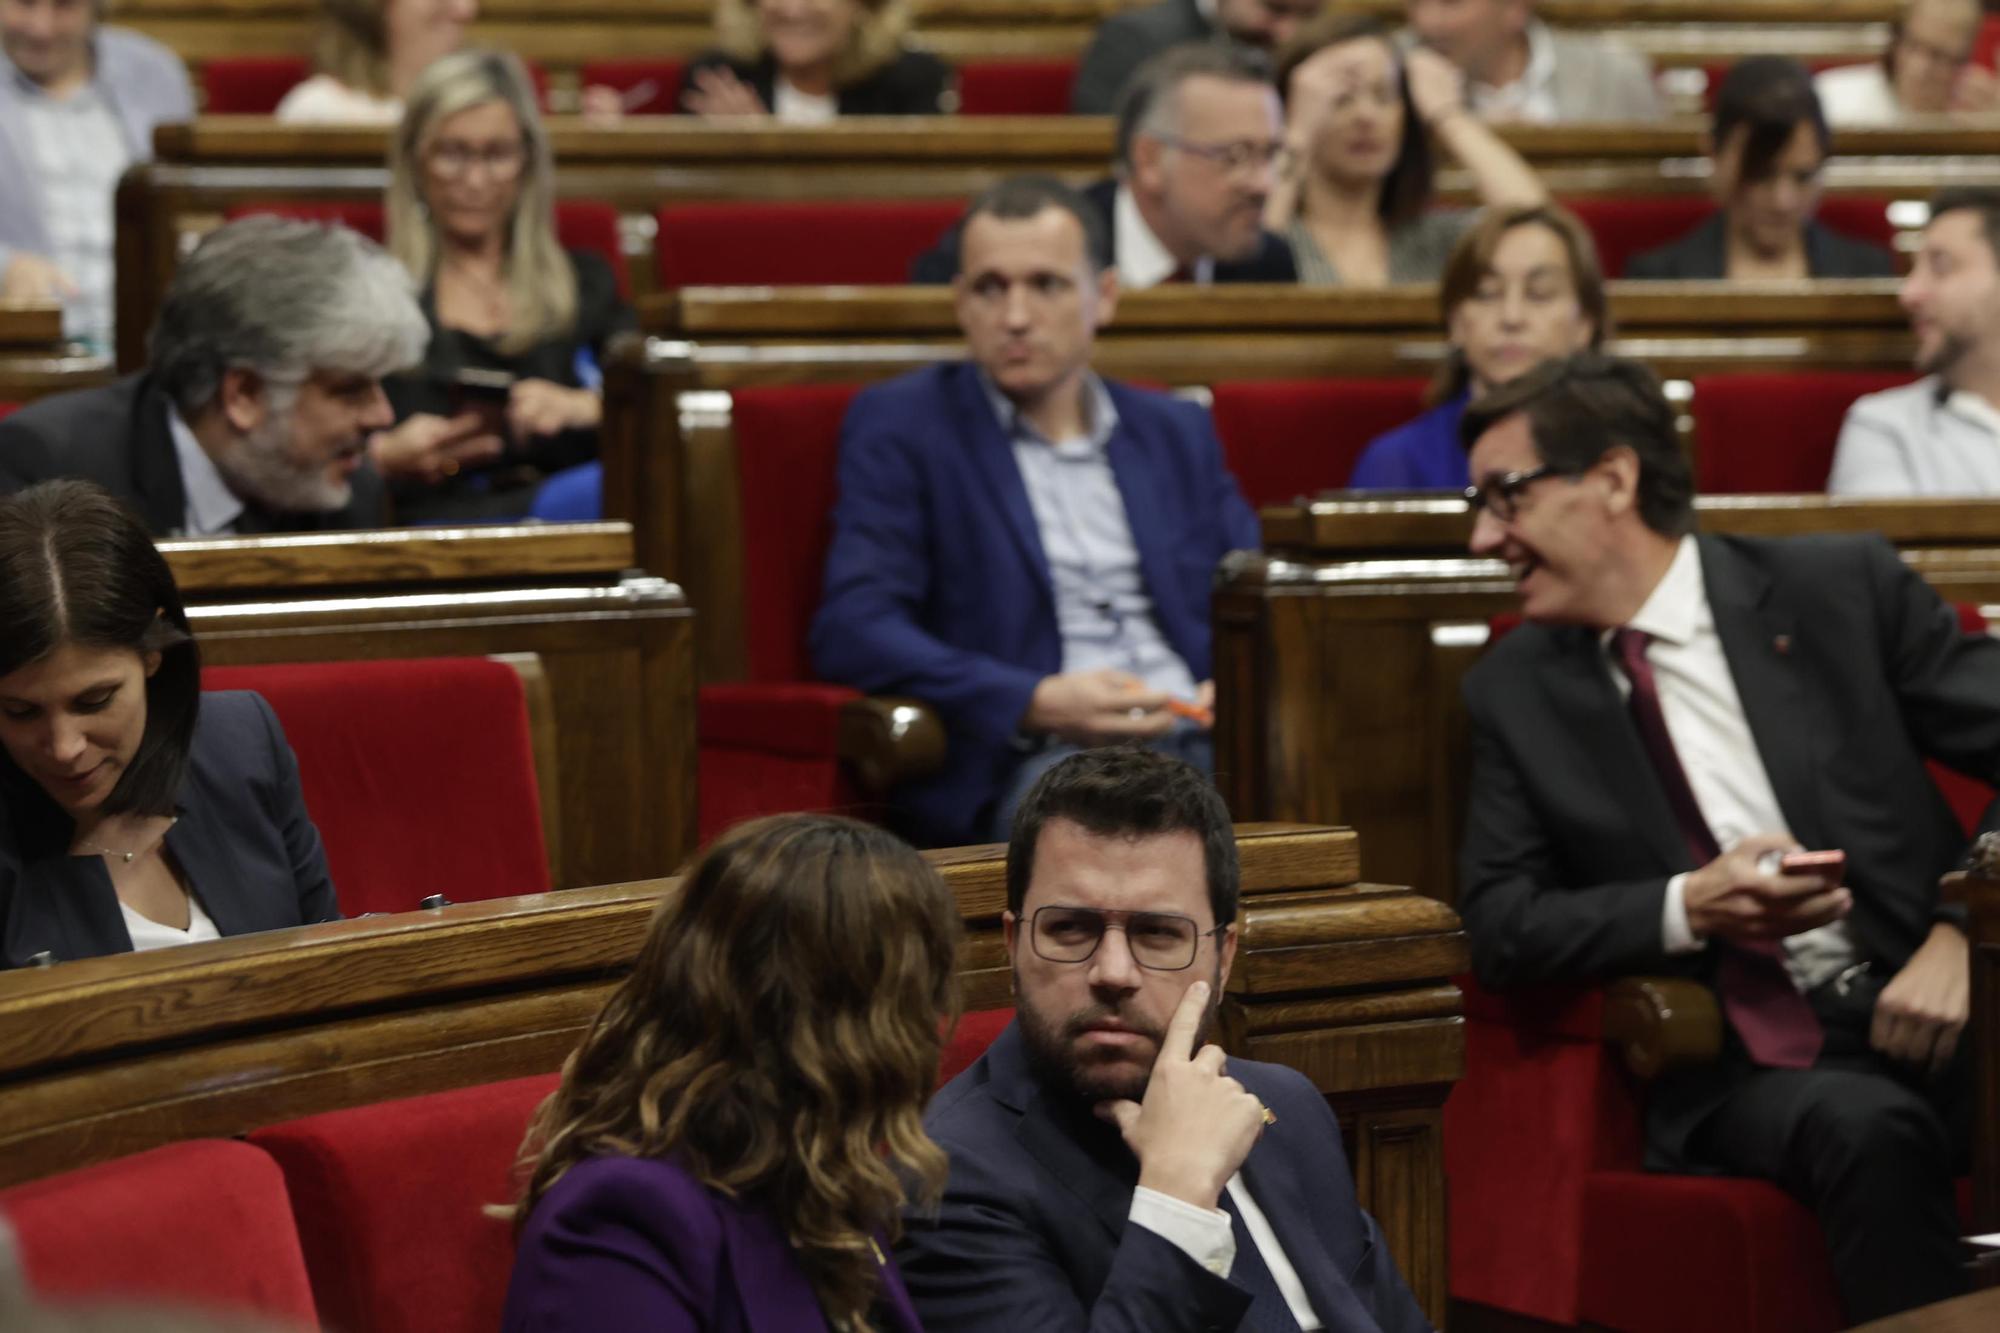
129, 857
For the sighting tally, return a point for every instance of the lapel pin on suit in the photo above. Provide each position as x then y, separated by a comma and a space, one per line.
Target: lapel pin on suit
1783, 643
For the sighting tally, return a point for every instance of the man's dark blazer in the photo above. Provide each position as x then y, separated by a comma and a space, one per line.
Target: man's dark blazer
1851, 671
1704, 253
1273, 261
1032, 1233
638, 1243
244, 839
913, 83
1126, 41
117, 436
936, 584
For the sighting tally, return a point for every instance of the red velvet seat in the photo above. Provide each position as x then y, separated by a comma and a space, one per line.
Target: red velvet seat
1624, 226
388, 1200
581, 224
769, 742
420, 775
1774, 432
975, 1032
764, 243
1287, 438
1015, 87
648, 85
254, 85
207, 1222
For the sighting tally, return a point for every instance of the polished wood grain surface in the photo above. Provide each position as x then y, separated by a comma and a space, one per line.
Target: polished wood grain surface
399, 556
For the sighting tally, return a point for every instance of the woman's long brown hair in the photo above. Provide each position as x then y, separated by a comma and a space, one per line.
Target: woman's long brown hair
778, 1037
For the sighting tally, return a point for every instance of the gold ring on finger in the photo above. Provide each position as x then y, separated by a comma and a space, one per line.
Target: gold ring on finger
450, 467
1270, 1116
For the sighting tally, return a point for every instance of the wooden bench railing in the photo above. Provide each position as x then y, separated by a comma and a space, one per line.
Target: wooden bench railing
1346, 981
34, 358
617, 648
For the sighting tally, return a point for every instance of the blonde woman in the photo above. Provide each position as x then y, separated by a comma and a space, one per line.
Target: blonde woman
734, 1141
518, 324
369, 53
807, 62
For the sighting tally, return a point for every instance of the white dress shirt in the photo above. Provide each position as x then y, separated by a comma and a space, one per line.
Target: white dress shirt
1205, 1236
1142, 260
1919, 439
1532, 97
1857, 95
147, 933
1712, 738
212, 508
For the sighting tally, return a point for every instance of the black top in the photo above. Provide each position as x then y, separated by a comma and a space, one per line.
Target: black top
506, 487
915, 83
117, 436
1704, 253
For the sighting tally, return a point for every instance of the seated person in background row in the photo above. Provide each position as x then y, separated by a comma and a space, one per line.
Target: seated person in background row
1519, 68
1941, 435
1767, 146
1199, 136
1677, 714
734, 1138
472, 217
135, 812
1353, 199
1129, 39
1927, 69
369, 53
1109, 1168
78, 107
1020, 544
808, 62
262, 400
1522, 286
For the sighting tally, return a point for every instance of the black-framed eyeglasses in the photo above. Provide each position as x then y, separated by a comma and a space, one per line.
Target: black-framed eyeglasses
1500, 496
1237, 155
1161, 941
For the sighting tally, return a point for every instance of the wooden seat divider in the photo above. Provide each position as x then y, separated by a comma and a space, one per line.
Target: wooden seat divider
1349, 982
616, 648
35, 359
1340, 652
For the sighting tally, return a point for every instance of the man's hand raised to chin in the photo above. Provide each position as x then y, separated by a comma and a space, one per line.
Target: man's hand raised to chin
1196, 1124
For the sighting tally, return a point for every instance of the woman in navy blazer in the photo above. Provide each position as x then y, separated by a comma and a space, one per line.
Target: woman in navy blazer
133, 813
735, 1138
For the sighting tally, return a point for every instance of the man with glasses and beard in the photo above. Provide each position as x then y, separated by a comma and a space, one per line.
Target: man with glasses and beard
1109, 1168
261, 409
1941, 435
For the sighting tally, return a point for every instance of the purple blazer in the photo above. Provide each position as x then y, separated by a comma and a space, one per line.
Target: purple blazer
636, 1243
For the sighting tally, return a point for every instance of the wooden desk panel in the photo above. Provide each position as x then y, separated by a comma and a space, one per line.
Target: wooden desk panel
1347, 981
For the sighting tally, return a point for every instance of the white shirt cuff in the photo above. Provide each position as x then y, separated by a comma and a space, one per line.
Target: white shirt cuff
1676, 935
1202, 1234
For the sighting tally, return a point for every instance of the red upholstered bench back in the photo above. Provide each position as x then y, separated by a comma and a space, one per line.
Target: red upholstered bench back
1015, 87
1774, 433
787, 448
1287, 438
389, 1202
648, 86
761, 243
420, 775
1626, 226
975, 1032
206, 1222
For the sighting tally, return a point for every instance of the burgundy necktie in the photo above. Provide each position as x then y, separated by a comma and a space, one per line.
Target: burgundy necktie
1777, 1025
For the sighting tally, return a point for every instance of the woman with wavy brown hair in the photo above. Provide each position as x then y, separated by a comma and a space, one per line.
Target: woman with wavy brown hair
734, 1140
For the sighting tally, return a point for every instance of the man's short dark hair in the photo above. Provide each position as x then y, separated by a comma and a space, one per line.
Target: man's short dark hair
1981, 199
1146, 103
1771, 96
1580, 408
1128, 791
1020, 197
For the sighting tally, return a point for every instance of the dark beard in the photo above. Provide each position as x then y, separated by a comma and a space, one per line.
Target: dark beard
1051, 1050
1949, 353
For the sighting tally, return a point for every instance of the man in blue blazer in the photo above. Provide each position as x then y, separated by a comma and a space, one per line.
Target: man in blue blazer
1024, 546
1109, 1171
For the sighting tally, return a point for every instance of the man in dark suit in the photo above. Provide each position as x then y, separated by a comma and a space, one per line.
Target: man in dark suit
1109, 1170
1678, 714
1199, 133
262, 409
1024, 546
1126, 41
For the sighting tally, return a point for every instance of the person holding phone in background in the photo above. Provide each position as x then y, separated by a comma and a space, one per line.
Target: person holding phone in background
1705, 755
518, 324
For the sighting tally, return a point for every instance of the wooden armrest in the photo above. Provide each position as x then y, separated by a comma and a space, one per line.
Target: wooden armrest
1662, 1023
887, 741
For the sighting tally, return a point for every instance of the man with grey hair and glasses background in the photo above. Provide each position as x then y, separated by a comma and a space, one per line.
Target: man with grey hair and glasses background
261, 409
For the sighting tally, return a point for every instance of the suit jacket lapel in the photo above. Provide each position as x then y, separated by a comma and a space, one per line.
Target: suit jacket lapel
1143, 511
156, 468
1757, 635
1586, 703
993, 456
1077, 1149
